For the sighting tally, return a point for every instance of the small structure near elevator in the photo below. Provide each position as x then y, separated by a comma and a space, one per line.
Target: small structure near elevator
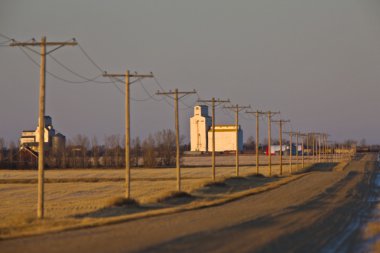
201, 133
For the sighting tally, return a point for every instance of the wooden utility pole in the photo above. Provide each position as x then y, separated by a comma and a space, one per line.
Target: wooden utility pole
127, 76
327, 147
270, 114
177, 95
41, 118
257, 114
319, 148
280, 122
297, 142
313, 140
237, 108
291, 148
307, 143
302, 148
213, 104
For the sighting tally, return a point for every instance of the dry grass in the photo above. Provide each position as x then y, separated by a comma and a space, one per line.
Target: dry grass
85, 192
371, 232
372, 229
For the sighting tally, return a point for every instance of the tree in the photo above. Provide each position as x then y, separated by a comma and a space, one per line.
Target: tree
166, 146
82, 144
349, 142
136, 151
11, 154
149, 152
95, 152
250, 144
113, 151
2, 146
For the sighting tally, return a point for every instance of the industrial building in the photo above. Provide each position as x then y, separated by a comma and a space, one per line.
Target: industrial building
201, 133
275, 149
55, 143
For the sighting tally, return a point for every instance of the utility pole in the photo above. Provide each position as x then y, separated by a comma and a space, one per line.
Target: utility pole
42, 99
297, 142
177, 96
313, 140
280, 122
307, 143
302, 148
257, 113
326, 146
127, 76
316, 147
213, 104
291, 148
270, 114
237, 108
319, 148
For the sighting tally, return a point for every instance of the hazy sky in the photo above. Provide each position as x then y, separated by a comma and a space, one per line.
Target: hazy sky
318, 62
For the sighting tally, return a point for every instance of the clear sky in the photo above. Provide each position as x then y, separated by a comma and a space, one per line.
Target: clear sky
318, 62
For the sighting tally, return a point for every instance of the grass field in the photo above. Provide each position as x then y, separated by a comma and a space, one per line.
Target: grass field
77, 194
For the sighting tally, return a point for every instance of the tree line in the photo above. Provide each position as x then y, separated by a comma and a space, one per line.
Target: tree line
157, 150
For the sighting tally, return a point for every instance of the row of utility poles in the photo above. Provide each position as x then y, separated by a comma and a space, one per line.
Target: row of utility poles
176, 95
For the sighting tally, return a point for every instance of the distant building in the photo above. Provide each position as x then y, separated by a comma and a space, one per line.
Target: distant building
53, 142
200, 123
225, 138
275, 149
201, 133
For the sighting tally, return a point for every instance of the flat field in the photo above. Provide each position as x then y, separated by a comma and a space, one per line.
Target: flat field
79, 193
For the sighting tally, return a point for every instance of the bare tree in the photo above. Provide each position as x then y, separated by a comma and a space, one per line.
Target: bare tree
250, 144
149, 152
349, 142
11, 154
166, 146
136, 151
82, 145
2, 146
95, 152
113, 151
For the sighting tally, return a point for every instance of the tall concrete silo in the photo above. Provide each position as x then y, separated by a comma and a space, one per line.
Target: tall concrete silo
58, 143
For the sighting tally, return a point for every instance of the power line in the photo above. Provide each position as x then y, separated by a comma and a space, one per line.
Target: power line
89, 58
158, 84
6, 37
122, 92
116, 86
146, 91
5, 42
49, 72
92, 79
86, 81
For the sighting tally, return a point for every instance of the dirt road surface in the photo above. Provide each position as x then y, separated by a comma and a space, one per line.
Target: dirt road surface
320, 212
